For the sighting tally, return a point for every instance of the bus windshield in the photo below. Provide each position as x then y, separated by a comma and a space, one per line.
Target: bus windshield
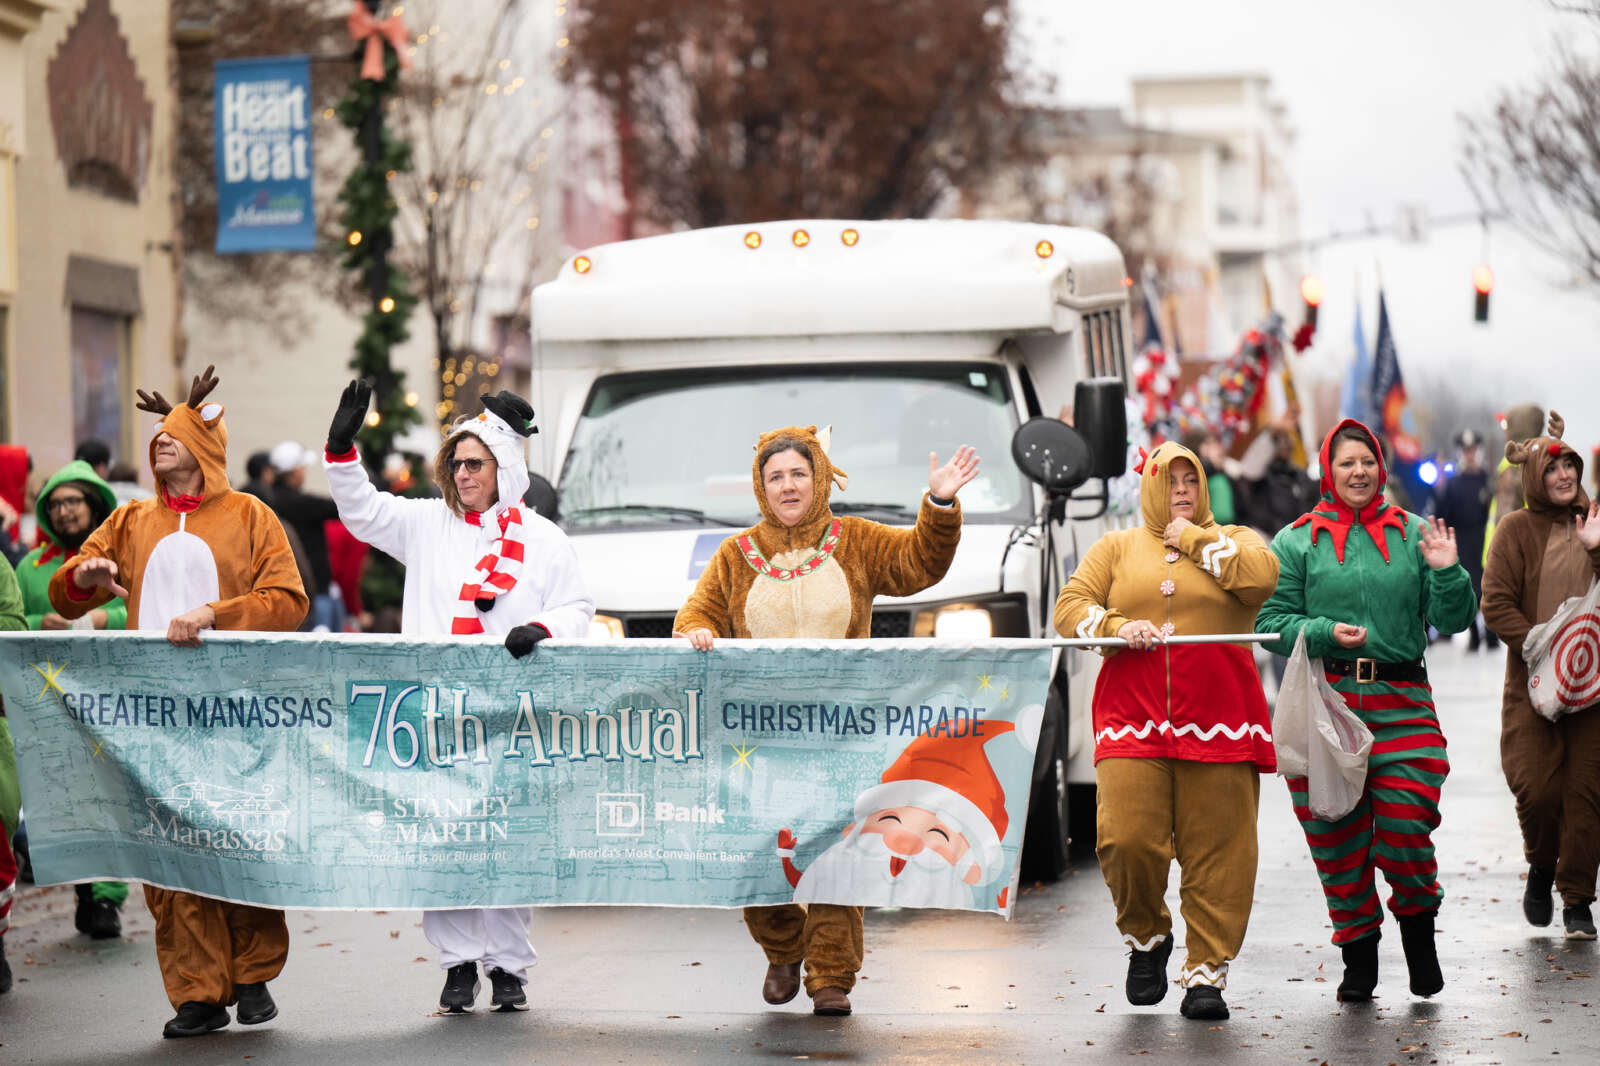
675, 447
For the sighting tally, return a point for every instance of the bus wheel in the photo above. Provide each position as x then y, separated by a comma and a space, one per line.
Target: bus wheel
1046, 838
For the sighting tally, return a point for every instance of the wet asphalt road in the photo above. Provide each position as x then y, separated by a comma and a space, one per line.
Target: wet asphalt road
640, 985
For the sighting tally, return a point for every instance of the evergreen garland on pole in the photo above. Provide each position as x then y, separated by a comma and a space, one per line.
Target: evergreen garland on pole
367, 214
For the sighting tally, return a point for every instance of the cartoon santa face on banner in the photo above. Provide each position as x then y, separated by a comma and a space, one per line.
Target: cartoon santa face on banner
928, 835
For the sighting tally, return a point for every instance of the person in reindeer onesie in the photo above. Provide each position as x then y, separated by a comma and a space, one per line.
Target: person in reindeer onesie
476, 562
196, 556
801, 572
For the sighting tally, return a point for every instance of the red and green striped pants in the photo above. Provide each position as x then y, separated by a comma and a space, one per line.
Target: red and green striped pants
1391, 828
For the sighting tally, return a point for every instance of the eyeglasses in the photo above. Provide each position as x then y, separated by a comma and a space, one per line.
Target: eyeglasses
65, 503
472, 465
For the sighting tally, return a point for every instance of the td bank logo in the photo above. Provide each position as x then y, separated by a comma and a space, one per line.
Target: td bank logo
619, 814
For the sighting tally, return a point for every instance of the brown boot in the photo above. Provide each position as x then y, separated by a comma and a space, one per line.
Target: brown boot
782, 983
830, 1001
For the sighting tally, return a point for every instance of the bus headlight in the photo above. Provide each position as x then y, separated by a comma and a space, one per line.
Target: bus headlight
963, 621
605, 627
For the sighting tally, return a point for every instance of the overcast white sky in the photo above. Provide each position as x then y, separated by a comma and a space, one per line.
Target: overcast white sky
1373, 88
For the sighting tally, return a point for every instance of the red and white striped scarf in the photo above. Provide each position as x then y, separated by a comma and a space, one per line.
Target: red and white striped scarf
492, 575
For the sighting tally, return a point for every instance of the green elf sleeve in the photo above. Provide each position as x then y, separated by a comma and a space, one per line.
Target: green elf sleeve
11, 616
1447, 599
117, 614
1284, 612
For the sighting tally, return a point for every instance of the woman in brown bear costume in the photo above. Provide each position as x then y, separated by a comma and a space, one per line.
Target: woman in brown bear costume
801, 572
1541, 555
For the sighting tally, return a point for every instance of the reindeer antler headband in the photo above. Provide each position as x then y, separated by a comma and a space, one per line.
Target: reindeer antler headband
199, 389
1521, 451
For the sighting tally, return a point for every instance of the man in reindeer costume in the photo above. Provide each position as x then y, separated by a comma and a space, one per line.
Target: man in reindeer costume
197, 556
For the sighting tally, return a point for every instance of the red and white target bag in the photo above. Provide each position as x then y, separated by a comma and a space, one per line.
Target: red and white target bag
1563, 657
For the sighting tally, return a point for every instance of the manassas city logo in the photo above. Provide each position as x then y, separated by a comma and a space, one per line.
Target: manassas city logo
198, 814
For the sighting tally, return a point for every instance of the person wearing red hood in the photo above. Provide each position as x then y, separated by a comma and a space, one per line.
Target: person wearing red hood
194, 557
1363, 579
1181, 732
1542, 555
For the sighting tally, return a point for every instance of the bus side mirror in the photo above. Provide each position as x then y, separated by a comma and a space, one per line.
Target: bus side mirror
1052, 453
1101, 417
542, 497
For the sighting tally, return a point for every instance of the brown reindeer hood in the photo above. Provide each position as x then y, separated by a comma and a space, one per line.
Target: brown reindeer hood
196, 425
1535, 456
824, 475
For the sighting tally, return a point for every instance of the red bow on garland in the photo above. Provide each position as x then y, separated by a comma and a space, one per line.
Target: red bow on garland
364, 27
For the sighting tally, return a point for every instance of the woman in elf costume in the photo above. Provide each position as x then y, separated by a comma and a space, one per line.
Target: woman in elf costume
1180, 732
801, 572
1363, 579
71, 506
476, 562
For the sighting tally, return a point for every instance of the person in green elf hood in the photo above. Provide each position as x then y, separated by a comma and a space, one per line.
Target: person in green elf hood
71, 506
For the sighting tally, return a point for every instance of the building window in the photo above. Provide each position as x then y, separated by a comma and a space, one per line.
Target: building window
99, 377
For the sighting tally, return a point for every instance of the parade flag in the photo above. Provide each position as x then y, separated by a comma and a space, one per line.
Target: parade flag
262, 127
1388, 396
1356, 399
353, 771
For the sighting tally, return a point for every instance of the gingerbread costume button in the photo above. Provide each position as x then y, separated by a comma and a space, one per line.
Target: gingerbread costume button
1168, 588
1167, 629
1172, 557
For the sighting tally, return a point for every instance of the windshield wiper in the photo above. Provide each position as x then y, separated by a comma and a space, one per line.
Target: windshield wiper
856, 507
687, 514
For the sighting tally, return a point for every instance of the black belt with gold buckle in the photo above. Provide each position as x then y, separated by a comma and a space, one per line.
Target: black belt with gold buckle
1366, 671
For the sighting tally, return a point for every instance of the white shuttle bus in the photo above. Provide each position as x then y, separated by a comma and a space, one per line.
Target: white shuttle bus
658, 362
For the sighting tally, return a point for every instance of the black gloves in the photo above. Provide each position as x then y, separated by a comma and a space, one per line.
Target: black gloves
348, 418
520, 641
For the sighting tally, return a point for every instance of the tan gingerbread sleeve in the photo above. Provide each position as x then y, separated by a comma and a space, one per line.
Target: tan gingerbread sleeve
1081, 609
1236, 557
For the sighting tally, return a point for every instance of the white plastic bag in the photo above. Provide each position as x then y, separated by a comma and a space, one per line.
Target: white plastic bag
1319, 738
1563, 657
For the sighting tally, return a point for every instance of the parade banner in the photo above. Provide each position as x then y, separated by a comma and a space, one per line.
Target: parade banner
367, 771
262, 126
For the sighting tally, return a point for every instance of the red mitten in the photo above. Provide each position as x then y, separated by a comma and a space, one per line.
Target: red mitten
786, 840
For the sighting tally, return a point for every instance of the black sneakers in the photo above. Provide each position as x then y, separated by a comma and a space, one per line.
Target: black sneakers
98, 918
1422, 958
1204, 1004
507, 991
1147, 973
460, 989
1579, 922
1536, 905
196, 1019
254, 1004
5, 967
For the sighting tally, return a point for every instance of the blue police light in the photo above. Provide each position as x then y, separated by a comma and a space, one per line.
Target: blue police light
1428, 472
1449, 468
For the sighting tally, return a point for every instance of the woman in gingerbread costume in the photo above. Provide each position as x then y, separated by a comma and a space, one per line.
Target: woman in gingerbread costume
1180, 731
801, 572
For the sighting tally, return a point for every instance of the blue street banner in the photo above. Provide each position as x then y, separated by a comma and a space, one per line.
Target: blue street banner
367, 771
263, 155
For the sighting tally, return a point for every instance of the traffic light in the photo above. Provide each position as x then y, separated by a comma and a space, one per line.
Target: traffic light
1482, 284
1311, 291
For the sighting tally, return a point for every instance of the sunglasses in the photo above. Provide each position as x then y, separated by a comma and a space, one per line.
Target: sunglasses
472, 465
